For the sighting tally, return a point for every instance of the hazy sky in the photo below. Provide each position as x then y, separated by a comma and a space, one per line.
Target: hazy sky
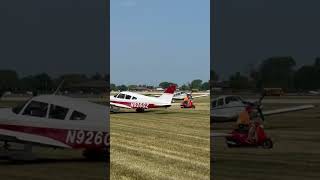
53, 36
249, 31
159, 40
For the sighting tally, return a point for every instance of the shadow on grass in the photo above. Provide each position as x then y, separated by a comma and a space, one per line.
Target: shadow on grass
50, 161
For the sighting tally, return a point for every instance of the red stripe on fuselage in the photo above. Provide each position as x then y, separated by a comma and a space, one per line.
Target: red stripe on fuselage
135, 105
73, 138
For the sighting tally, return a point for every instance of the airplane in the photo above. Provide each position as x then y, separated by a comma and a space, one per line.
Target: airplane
54, 121
139, 102
181, 95
227, 108
316, 92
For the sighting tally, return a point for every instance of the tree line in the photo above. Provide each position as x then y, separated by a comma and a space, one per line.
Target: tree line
277, 72
42, 82
194, 85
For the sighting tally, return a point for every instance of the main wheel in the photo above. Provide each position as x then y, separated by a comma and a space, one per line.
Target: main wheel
267, 144
140, 110
96, 154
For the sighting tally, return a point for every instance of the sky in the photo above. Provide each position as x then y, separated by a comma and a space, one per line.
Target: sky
249, 31
159, 40
53, 36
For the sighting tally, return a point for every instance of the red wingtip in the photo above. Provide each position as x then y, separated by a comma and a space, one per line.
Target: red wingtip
171, 89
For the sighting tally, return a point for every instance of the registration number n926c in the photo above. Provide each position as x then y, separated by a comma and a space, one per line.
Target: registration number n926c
82, 137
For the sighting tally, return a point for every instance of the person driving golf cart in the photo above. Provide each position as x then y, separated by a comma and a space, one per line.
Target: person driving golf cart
243, 120
187, 99
248, 121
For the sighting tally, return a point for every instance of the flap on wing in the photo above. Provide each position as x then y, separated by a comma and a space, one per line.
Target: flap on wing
119, 105
285, 110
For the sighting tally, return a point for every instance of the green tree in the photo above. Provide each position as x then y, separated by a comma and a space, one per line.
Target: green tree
275, 72
196, 84
113, 87
205, 86
122, 87
238, 81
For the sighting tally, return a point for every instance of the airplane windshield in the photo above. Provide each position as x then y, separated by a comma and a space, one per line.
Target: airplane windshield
19, 107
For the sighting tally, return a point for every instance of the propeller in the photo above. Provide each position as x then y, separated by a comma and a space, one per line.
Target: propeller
259, 105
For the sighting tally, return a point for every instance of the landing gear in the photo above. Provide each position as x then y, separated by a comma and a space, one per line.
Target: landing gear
17, 152
97, 154
140, 110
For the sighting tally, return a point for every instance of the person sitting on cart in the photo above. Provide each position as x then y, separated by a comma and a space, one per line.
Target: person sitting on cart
243, 120
255, 121
186, 100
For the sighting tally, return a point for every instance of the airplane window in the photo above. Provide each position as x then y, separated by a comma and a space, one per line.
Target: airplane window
116, 95
134, 98
58, 112
37, 109
77, 116
18, 108
128, 97
121, 96
220, 102
214, 104
231, 99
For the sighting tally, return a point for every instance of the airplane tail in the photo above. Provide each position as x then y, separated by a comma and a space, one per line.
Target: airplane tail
168, 94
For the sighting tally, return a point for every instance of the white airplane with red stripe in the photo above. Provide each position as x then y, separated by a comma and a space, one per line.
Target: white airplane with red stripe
139, 102
55, 121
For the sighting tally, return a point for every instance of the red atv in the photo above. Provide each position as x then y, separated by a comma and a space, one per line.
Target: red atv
239, 138
187, 104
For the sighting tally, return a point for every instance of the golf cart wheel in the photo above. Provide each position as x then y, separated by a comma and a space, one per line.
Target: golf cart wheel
193, 106
267, 144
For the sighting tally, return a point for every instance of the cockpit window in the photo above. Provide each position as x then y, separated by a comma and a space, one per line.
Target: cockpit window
116, 95
220, 102
58, 112
35, 108
121, 96
19, 107
214, 104
76, 115
128, 97
231, 99
134, 98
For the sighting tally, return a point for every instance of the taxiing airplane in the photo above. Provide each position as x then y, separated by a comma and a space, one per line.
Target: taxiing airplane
139, 102
181, 95
54, 121
227, 108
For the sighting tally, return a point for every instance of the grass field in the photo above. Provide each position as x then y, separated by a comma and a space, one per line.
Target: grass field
52, 164
168, 143
296, 152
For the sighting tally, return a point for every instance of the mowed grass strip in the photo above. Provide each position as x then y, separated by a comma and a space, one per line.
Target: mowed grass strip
168, 143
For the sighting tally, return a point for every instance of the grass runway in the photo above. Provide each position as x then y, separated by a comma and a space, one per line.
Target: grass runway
296, 152
168, 143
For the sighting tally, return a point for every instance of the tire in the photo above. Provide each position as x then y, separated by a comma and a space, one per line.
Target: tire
267, 144
96, 155
140, 110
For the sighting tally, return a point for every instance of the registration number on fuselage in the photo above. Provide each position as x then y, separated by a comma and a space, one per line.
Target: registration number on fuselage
139, 105
88, 137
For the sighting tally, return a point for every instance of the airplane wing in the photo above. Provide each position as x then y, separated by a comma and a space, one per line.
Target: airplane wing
285, 110
119, 105
204, 95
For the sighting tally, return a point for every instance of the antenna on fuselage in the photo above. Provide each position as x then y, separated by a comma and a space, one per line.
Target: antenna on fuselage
58, 88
